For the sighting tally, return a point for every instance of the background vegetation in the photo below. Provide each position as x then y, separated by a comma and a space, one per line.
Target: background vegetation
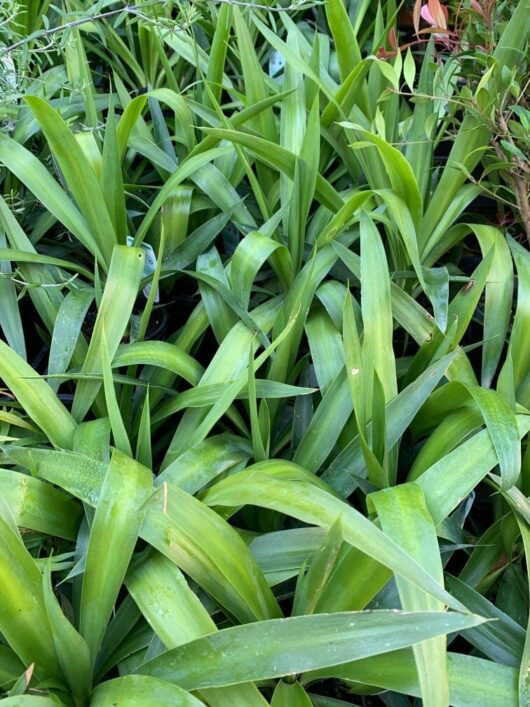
265, 367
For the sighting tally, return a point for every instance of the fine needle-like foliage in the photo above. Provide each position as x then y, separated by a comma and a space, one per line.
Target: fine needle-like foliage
264, 354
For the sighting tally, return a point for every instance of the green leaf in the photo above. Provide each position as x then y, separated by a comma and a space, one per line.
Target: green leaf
520, 335
502, 427
162, 594
210, 551
502, 639
344, 215
183, 171
205, 461
524, 671
28, 701
326, 425
39, 181
409, 69
78, 175
114, 533
377, 350
437, 289
113, 316
141, 690
305, 178
310, 586
177, 617
217, 54
348, 53
253, 76
500, 421
318, 507
72, 651
260, 446
290, 694
79, 474
228, 364
398, 169
283, 647
10, 321
37, 398
66, 332
10, 665
249, 256
280, 159
162, 354
23, 619
404, 517
472, 681
39, 506
325, 345
451, 479
119, 433
112, 179
144, 451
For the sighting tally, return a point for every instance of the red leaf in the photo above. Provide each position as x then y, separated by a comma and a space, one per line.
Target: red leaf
382, 53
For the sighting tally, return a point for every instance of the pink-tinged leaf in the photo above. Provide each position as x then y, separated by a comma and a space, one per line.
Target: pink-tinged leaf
438, 13
29, 674
478, 8
426, 15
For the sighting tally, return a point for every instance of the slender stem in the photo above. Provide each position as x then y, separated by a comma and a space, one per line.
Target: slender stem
132, 9
136, 10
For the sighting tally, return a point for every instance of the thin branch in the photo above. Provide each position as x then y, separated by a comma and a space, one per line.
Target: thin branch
137, 11
290, 8
518, 176
131, 9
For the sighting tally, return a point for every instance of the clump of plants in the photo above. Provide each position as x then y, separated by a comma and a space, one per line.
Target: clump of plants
264, 371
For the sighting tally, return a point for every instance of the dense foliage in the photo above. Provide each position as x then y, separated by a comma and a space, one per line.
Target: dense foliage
265, 354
